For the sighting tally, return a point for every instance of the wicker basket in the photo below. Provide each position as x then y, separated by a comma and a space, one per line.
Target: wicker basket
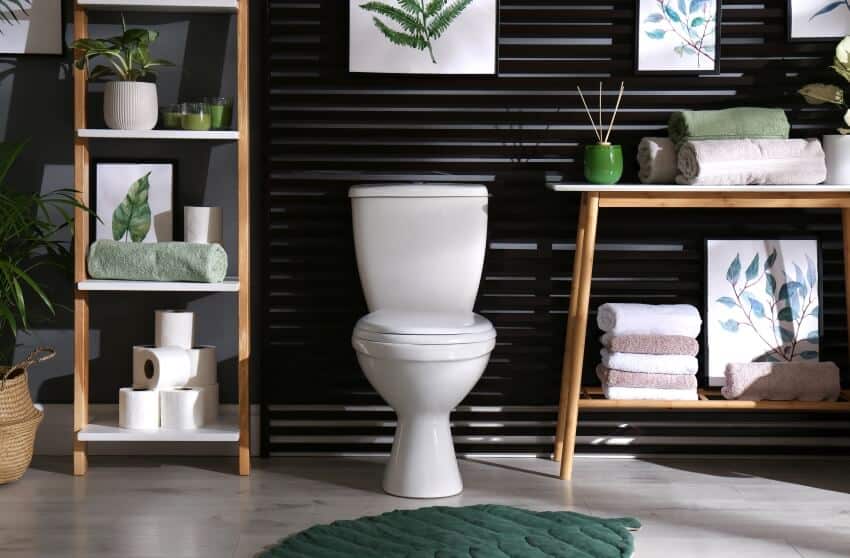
15, 400
16, 446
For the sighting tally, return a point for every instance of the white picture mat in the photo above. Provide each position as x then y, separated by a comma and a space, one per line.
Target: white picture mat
468, 46
835, 24
657, 55
113, 180
39, 31
724, 347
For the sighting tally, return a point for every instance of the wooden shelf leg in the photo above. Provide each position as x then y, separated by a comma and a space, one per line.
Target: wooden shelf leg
571, 316
81, 378
579, 333
845, 226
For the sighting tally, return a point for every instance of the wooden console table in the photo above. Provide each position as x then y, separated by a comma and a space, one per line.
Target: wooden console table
593, 197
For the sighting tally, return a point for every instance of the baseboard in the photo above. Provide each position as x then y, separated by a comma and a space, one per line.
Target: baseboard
55, 435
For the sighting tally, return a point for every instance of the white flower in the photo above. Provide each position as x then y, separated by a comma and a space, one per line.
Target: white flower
842, 51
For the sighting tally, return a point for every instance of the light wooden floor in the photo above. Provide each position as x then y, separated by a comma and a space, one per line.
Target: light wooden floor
140, 507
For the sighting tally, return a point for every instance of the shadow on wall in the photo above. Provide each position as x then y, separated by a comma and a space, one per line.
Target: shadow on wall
36, 103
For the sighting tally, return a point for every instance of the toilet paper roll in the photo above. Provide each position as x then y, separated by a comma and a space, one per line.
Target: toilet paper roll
210, 397
202, 224
174, 328
182, 408
160, 367
203, 366
138, 408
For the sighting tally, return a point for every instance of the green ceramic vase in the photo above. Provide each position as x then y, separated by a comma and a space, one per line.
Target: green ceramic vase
603, 164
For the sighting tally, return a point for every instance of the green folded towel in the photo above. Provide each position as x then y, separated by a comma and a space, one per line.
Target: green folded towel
736, 123
160, 261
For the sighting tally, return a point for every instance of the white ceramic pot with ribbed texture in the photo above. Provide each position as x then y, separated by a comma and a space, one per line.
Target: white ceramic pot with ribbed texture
130, 105
837, 150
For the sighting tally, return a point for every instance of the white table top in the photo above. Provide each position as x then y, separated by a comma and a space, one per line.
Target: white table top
675, 188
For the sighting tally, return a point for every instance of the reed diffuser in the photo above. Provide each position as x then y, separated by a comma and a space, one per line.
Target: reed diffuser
603, 162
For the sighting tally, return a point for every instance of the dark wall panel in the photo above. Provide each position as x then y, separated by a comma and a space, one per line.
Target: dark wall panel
327, 129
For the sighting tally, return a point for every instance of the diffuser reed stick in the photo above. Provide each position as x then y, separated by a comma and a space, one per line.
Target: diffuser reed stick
616, 108
592, 123
598, 131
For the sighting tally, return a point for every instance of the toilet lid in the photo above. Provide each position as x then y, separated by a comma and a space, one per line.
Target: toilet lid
424, 328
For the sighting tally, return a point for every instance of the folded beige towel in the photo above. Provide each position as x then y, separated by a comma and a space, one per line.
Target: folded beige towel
656, 158
651, 344
782, 381
621, 378
751, 161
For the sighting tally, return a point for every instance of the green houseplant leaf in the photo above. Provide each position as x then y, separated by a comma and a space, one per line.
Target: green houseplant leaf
133, 214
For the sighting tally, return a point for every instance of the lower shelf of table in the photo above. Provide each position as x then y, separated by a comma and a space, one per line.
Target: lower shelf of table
592, 399
106, 429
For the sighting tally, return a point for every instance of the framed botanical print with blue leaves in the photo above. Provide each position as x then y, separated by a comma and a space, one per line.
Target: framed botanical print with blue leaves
763, 302
677, 36
818, 20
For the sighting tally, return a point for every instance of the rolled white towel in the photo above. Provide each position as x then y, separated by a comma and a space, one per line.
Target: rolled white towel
652, 394
751, 161
650, 364
656, 158
622, 318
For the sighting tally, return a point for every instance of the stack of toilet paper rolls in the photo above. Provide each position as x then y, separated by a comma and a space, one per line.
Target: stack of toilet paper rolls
175, 382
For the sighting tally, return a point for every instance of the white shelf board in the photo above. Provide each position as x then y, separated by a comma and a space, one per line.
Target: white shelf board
188, 6
229, 285
106, 133
677, 188
226, 429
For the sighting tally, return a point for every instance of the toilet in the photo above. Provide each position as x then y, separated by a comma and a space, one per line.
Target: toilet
420, 254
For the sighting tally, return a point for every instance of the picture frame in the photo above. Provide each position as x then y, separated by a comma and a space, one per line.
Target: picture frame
663, 41
817, 20
783, 326
112, 180
371, 50
32, 27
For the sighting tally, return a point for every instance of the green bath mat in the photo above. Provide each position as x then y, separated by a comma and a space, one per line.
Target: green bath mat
470, 532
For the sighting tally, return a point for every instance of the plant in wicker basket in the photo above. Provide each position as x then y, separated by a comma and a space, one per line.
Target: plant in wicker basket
29, 224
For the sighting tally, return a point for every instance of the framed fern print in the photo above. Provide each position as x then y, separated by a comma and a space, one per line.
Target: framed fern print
453, 37
677, 36
818, 20
763, 302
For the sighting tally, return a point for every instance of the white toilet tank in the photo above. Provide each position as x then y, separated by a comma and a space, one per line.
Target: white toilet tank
420, 247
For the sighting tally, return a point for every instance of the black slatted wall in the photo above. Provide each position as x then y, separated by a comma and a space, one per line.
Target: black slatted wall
327, 129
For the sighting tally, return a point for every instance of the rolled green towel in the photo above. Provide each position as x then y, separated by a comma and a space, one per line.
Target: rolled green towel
735, 123
159, 261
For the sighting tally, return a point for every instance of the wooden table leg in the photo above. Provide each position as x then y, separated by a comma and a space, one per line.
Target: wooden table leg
579, 334
571, 317
81, 379
845, 222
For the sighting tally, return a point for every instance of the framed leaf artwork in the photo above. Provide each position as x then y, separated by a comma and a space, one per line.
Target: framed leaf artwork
677, 36
31, 27
456, 37
763, 302
818, 20
134, 201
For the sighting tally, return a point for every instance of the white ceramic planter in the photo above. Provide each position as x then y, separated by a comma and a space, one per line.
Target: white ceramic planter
837, 149
130, 105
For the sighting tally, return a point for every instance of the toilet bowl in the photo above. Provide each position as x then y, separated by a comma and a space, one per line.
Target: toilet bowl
420, 253
423, 372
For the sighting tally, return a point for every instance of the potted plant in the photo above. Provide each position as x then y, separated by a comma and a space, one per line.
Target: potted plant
29, 224
129, 103
836, 146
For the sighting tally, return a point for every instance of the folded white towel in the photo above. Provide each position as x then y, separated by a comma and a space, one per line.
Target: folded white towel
751, 161
650, 364
652, 394
623, 318
656, 158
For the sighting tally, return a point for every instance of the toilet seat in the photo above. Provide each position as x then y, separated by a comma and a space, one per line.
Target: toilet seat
423, 336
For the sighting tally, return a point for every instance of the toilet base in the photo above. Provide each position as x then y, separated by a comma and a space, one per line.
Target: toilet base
423, 462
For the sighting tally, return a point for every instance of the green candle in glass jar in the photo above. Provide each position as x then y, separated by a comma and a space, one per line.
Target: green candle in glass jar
172, 116
221, 112
197, 117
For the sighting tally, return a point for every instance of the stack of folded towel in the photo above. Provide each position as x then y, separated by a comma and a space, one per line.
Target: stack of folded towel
729, 147
649, 351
